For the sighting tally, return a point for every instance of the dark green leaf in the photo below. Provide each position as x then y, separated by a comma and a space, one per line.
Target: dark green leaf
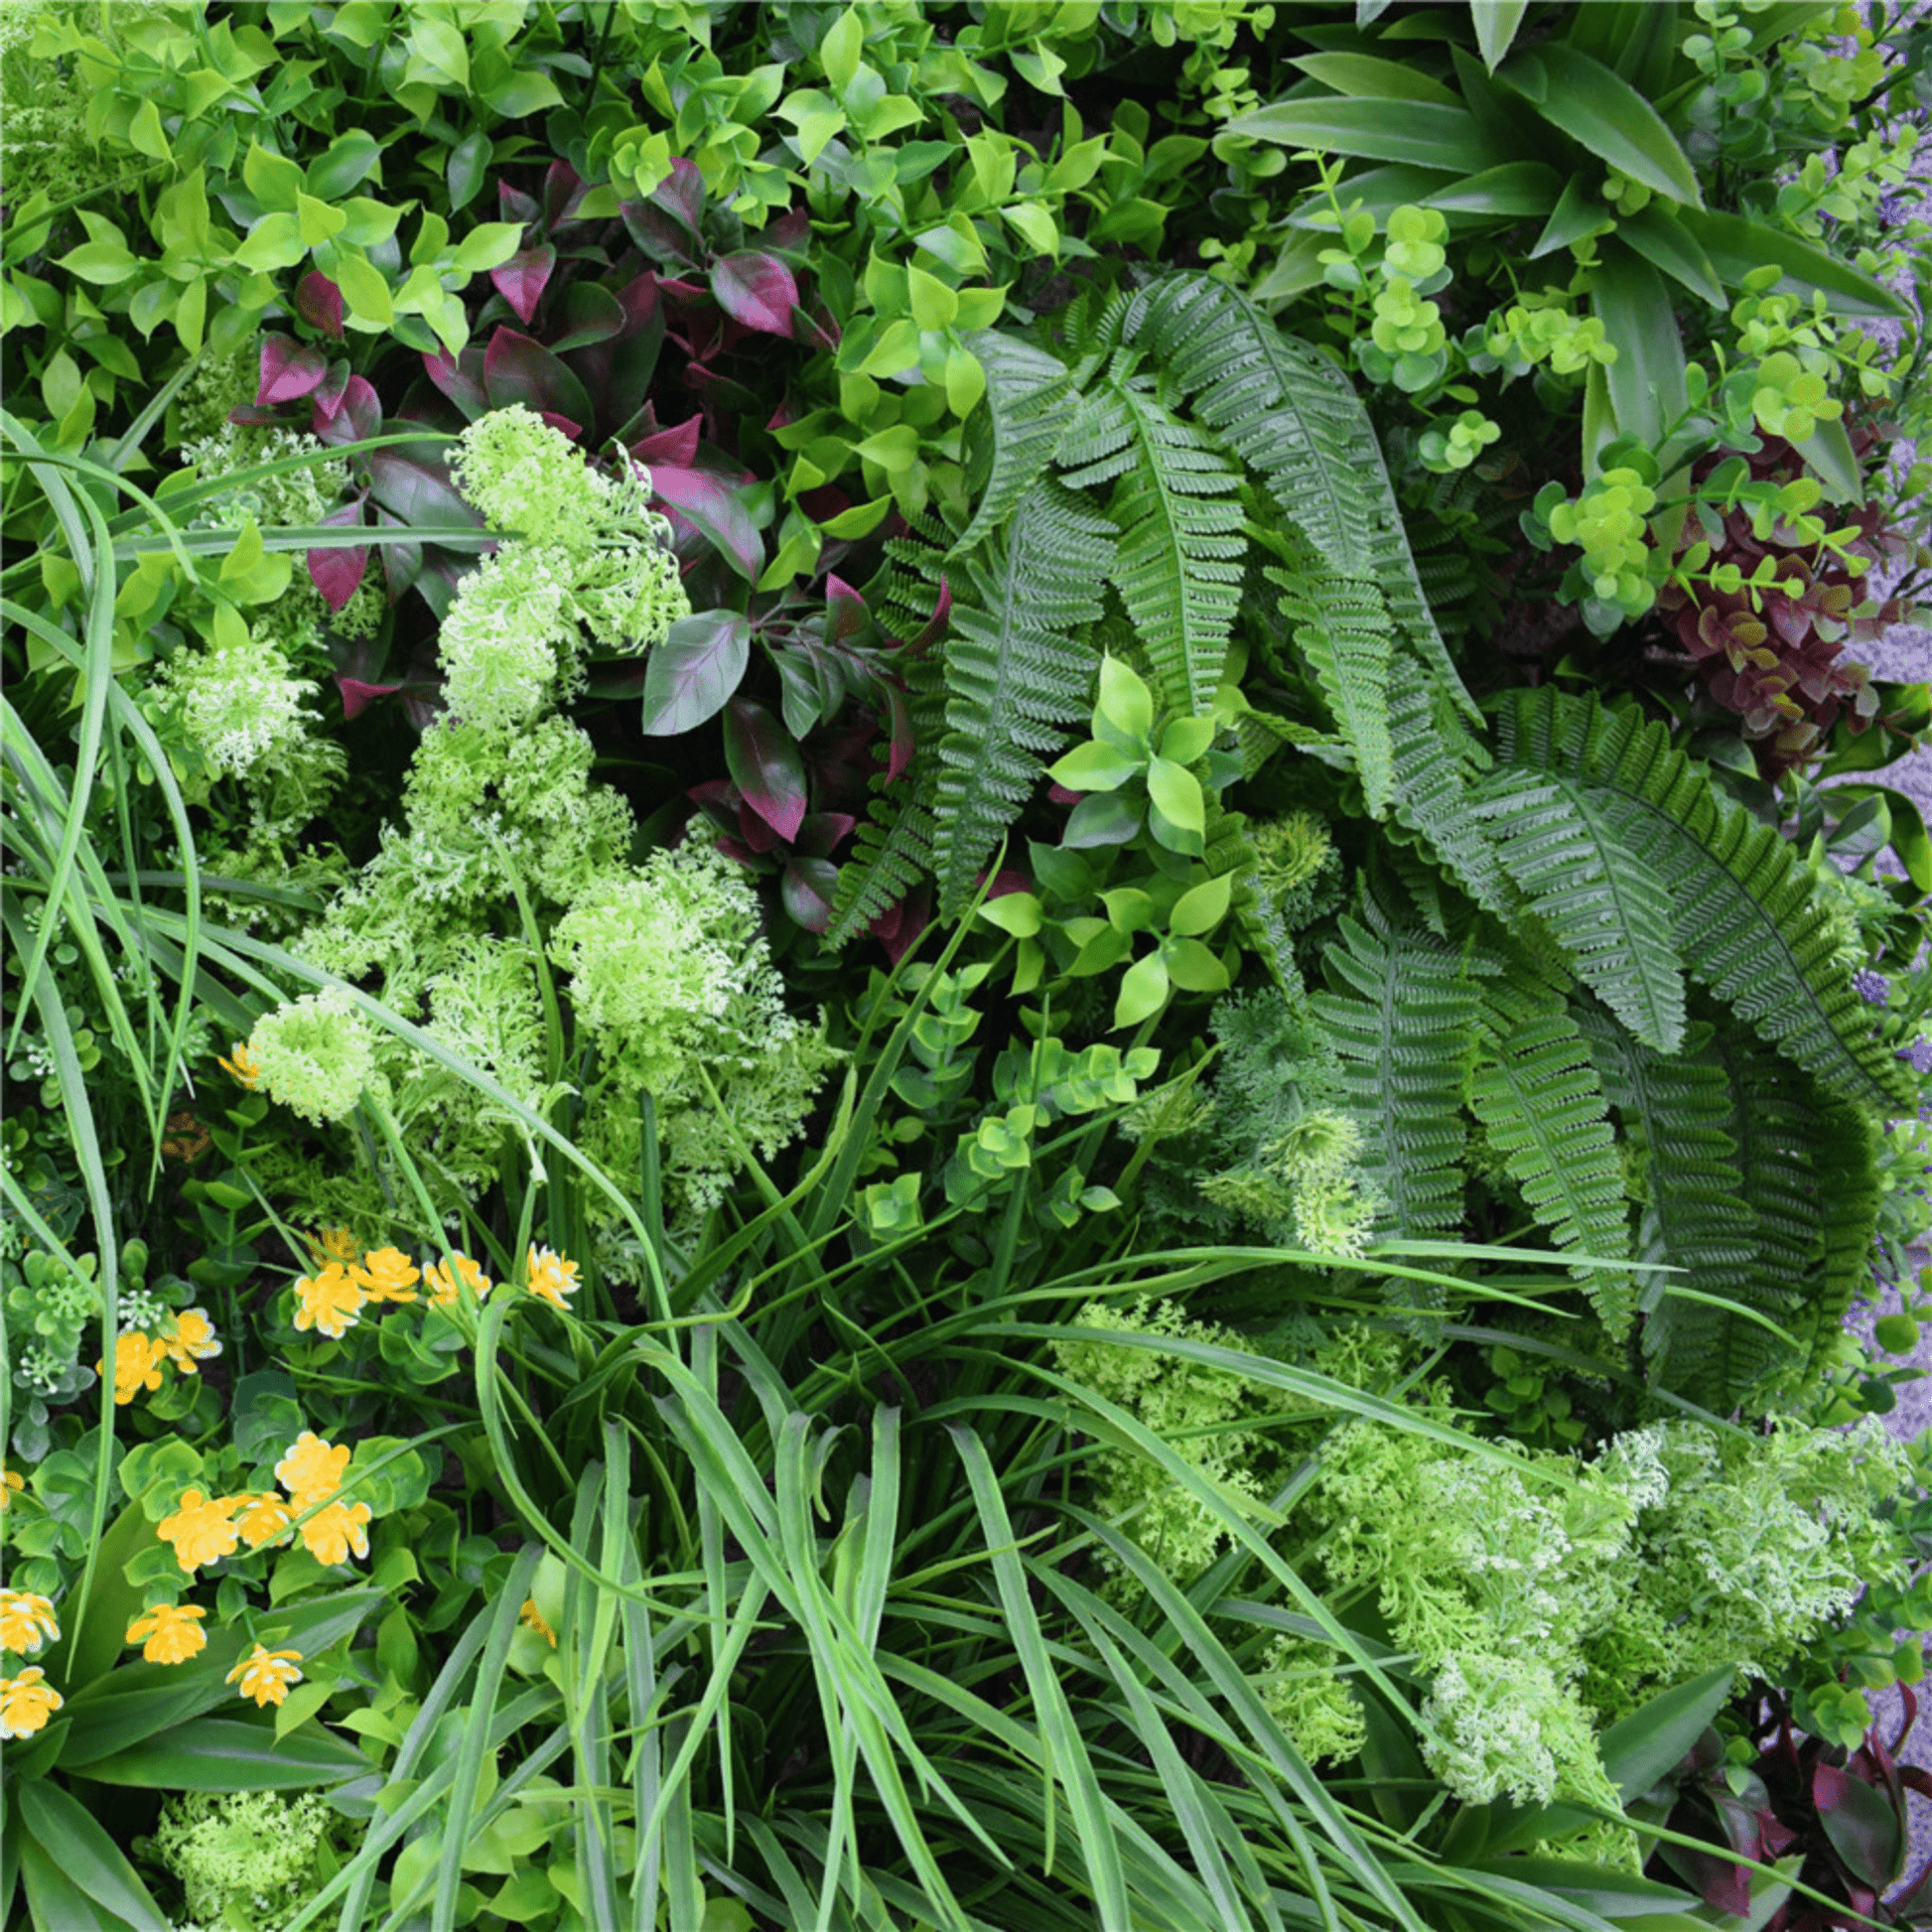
1381, 130
1496, 21
1736, 247
87, 1858
1517, 187
1647, 379
229, 1754
1664, 241
1644, 1747
1585, 102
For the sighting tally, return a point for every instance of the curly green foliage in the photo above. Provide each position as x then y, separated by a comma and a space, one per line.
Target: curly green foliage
1538, 1094
670, 973
249, 1859
1175, 505
315, 1054
1743, 919
1402, 1018
1017, 670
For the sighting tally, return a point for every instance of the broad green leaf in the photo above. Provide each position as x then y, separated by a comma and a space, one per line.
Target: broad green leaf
1202, 907
1143, 990
1646, 381
102, 262
935, 305
528, 92
1366, 76
1176, 795
275, 241
363, 289
230, 1755
1827, 451
1737, 247
488, 246
1415, 131
1585, 102
1640, 1749
273, 179
1125, 701
1093, 766
88, 1858
1662, 239
1018, 914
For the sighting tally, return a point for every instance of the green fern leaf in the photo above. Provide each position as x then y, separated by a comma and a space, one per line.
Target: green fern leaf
1016, 670
1178, 565
1018, 431
890, 852
1292, 416
1402, 1018
1340, 627
1603, 905
1848, 1193
1677, 1109
1433, 754
1537, 1092
1742, 914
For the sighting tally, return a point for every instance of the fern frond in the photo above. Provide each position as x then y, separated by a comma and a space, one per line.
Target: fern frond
1603, 905
890, 852
1742, 914
1292, 416
1849, 1197
1015, 435
1016, 671
1340, 627
1433, 754
1537, 1092
1678, 1112
1402, 1016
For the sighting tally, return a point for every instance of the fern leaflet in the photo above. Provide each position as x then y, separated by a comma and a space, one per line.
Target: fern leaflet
1341, 628
1432, 751
1025, 396
1741, 908
890, 852
1015, 671
1405, 1030
1537, 1092
1603, 905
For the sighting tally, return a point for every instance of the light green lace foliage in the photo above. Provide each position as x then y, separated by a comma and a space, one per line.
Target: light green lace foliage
588, 552
1311, 1699
1297, 870
245, 1859
672, 977
485, 1006
483, 812
295, 496
242, 705
315, 1054
1205, 1414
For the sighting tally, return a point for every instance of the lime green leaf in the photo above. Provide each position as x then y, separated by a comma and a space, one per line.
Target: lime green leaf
488, 246
840, 50
145, 133
1143, 990
1194, 968
275, 241
1094, 767
528, 93
363, 289
1202, 907
1018, 914
1125, 700
102, 262
1176, 795
317, 220
894, 449
437, 52
935, 305
273, 179
1035, 225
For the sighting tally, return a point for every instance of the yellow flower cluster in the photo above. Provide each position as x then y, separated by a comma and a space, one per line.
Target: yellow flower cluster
26, 1624
265, 1675
331, 1300
203, 1529
140, 1357
26, 1704
169, 1633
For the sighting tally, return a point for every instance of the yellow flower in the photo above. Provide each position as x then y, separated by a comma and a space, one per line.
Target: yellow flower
201, 1529
531, 1619
137, 1365
26, 1704
552, 1276
336, 1530
263, 1518
328, 1300
173, 1631
242, 1066
387, 1275
312, 1470
26, 1622
265, 1675
10, 1481
333, 1244
194, 1340
442, 1281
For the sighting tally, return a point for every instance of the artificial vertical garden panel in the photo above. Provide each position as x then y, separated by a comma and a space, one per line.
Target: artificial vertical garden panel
959, 966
